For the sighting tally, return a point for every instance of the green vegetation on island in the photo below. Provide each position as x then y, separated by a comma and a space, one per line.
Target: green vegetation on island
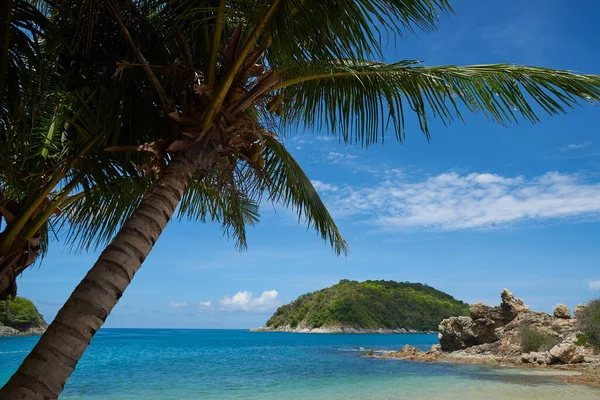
22, 314
370, 305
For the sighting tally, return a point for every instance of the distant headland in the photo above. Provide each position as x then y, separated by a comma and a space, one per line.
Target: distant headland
20, 317
367, 307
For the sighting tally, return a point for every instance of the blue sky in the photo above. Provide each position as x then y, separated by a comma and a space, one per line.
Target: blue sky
478, 208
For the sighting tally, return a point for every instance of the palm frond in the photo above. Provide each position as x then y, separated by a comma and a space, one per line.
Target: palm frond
321, 30
287, 184
92, 216
364, 97
212, 198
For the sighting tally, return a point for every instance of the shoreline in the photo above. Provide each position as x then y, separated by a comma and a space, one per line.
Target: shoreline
7, 331
587, 374
340, 330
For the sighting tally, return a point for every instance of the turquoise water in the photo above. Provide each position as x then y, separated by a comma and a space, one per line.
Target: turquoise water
135, 364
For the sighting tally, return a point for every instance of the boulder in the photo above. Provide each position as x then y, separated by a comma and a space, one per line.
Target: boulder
409, 352
539, 358
578, 310
567, 353
511, 306
562, 311
457, 333
435, 348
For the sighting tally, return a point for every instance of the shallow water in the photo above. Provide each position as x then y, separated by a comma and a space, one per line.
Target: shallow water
134, 364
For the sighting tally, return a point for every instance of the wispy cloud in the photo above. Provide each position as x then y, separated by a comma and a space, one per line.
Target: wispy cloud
174, 304
204, 305
576, 146
335, 157
245, 301
322, 138
241, 301
324, 187
594, 286
452, 201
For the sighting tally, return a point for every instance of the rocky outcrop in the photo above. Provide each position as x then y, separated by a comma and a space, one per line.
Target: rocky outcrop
8, 331
482, 325
409, 352
578, 310
496, 333
562, 311
457, 333
511, 306
539, 358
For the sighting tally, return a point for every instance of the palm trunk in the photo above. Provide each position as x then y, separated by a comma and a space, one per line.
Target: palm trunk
43, 373
12, 266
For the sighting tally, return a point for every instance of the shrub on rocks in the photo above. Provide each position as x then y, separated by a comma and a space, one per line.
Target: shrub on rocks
589, 323
536, 340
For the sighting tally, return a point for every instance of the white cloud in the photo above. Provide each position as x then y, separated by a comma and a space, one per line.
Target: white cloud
577, 146
594, 285
244, 301
451, 201
321, 138
324, 187
204, 305
335, 157
174, 304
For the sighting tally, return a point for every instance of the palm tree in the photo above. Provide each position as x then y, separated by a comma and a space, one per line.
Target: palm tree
47, 134
227, 75
52, 165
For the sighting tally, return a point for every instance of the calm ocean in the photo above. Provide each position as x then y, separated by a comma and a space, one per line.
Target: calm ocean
146, 364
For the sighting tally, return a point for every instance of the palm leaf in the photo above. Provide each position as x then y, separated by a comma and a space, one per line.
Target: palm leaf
217, 198
287, 184
92, 216
343, 29
363, 97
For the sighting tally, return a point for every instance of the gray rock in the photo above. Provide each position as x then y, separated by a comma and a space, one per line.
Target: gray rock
484, 326
540, 358
457, 333
511, 306
562, 311
8, 331
578, 310
479, 310
567, 353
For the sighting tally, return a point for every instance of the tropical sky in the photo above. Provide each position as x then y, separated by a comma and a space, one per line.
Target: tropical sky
478, 208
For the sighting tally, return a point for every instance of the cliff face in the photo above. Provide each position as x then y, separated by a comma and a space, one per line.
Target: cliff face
367, 307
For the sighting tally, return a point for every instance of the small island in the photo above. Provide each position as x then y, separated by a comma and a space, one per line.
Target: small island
20, 317
367, 307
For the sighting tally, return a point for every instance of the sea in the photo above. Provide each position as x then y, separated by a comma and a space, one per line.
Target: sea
147, 364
